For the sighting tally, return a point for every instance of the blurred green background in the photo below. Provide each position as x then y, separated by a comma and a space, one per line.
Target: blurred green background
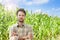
44, 27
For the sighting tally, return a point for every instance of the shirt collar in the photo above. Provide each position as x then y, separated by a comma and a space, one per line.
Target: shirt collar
21, 26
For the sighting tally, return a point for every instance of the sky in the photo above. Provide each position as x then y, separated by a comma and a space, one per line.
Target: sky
51, 7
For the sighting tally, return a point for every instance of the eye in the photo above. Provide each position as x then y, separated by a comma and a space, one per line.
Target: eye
19, 15
23, 15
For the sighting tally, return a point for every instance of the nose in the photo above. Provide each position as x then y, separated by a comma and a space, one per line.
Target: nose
21, 16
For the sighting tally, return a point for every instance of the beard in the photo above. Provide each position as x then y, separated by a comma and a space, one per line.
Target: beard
21, 21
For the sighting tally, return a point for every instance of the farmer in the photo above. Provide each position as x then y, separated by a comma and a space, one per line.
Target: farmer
20, 30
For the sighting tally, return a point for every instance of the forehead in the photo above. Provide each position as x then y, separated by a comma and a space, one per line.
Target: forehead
20, 12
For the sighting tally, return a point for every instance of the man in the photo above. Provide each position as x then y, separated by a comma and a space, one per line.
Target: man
20, 31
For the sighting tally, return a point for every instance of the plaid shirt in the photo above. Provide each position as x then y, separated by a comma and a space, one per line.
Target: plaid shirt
21, 31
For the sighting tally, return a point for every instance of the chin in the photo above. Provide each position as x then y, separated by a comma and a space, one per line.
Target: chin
21, 21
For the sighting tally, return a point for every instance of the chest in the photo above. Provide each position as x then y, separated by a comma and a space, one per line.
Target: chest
22, 31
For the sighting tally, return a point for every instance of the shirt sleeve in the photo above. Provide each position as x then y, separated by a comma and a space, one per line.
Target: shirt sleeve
10, 31
30, 31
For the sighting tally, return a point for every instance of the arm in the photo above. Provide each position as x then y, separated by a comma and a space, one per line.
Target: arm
12, 32
29, 37
29, 34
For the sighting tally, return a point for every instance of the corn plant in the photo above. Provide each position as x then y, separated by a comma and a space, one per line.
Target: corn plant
44, 27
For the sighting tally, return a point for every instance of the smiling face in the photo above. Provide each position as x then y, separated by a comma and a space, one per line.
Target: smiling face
21, 16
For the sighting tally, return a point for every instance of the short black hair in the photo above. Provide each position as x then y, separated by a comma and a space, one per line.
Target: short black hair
22, 10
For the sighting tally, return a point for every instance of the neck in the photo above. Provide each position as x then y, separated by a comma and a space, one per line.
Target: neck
20, 24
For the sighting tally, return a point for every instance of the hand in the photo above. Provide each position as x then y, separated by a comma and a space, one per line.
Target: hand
30, 35
23, 38
14, 34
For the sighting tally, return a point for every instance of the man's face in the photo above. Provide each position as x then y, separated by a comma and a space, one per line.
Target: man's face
21, 16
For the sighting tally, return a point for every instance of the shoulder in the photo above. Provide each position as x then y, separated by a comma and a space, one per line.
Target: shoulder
28, 26
12, 27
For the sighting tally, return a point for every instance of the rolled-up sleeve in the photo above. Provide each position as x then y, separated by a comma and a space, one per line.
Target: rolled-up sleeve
10, 31
30, 31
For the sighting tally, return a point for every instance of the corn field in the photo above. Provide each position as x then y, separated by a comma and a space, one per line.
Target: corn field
44, 27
